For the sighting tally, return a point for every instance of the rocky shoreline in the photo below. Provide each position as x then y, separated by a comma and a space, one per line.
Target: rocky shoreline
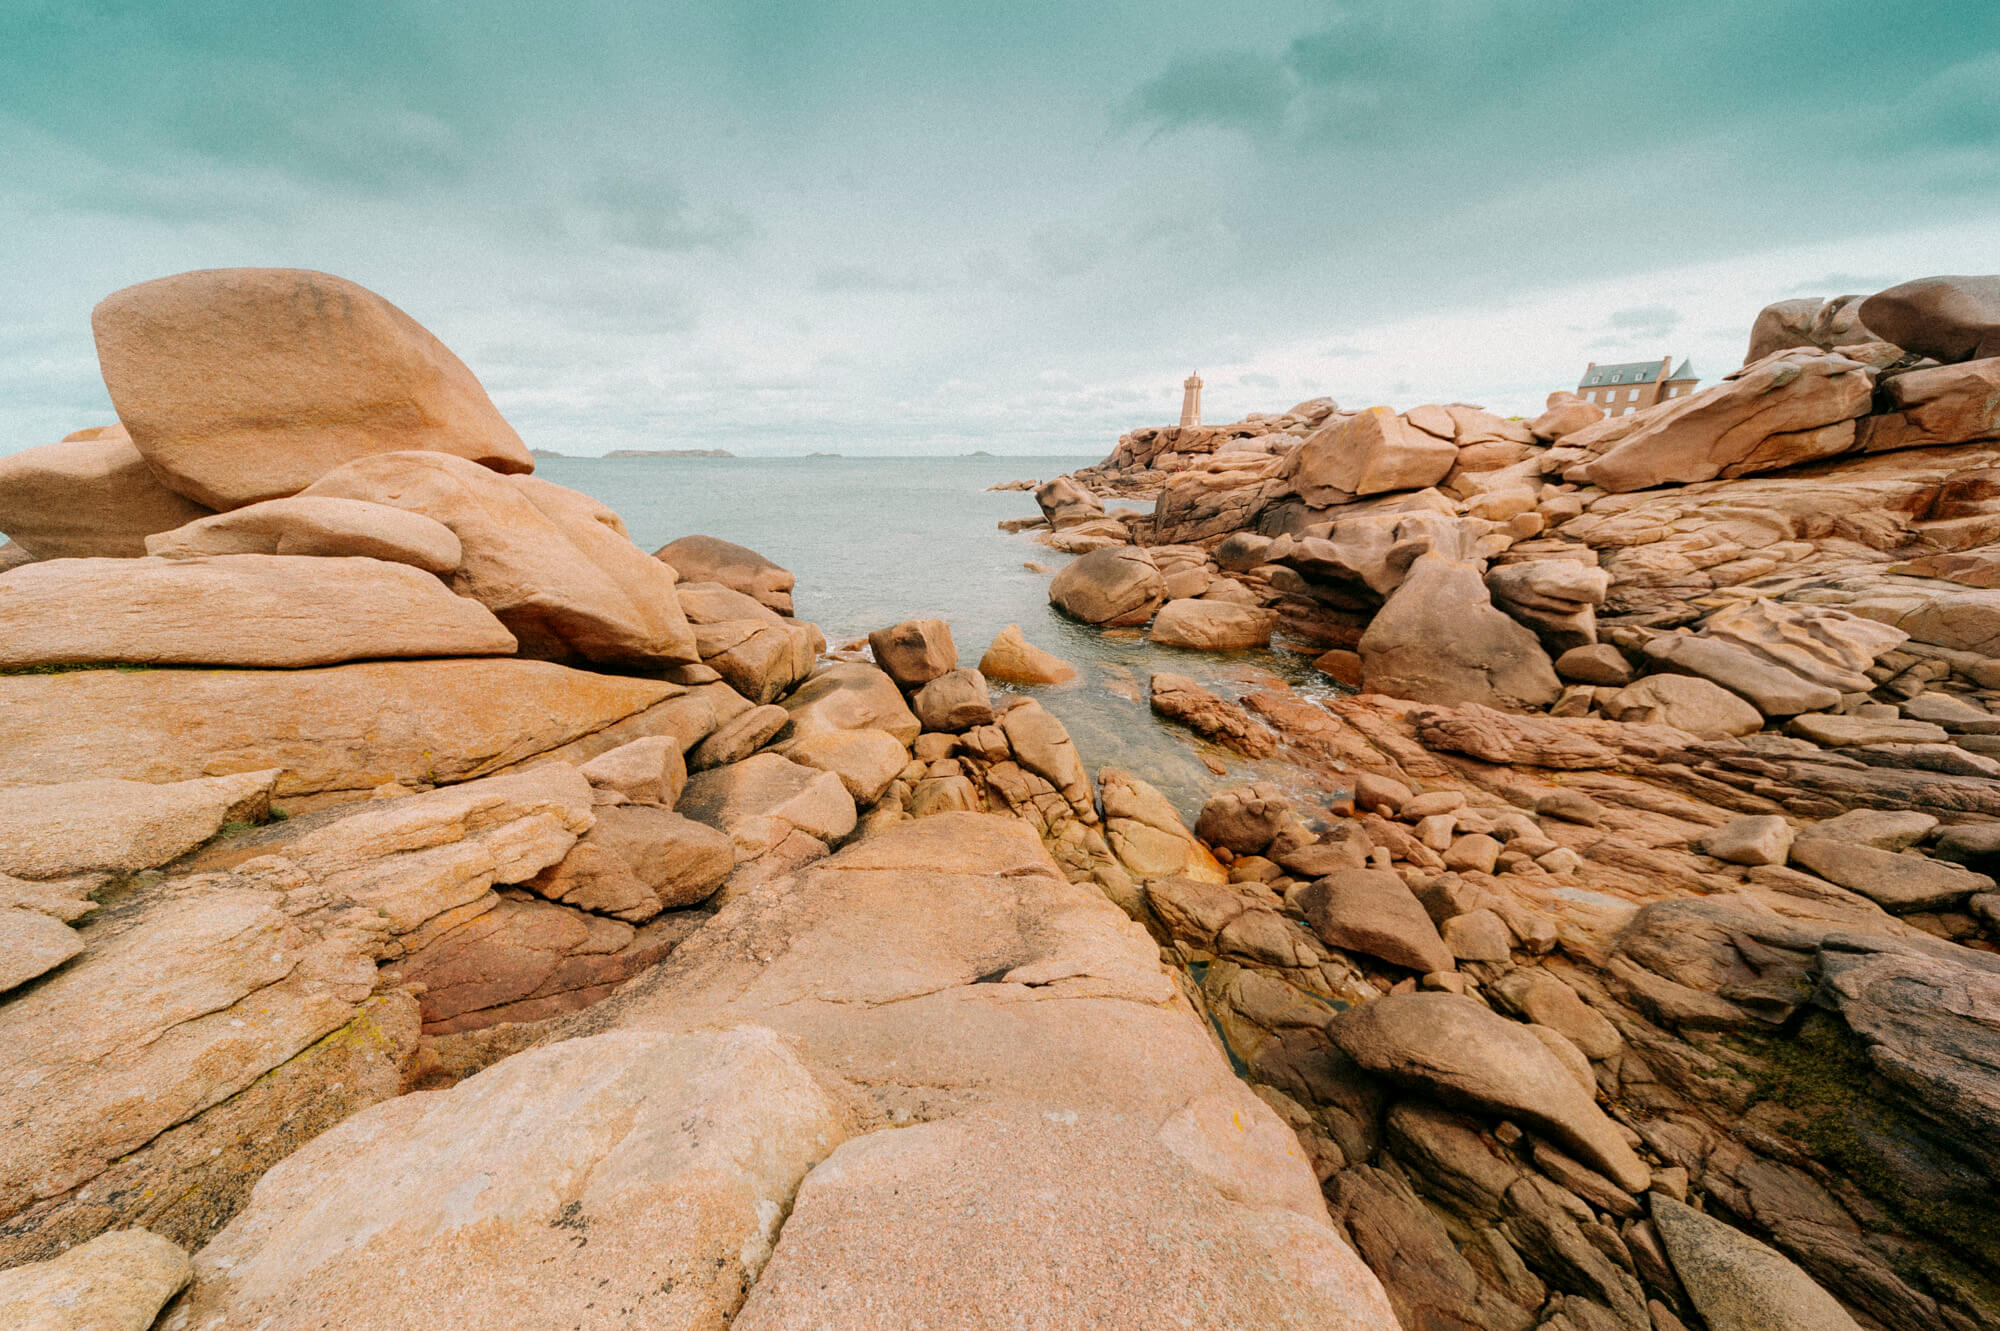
421, 902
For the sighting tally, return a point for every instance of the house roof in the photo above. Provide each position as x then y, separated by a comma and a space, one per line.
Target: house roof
1632, 372
1684, 373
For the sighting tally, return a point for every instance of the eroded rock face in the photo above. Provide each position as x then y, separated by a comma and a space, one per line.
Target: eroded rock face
673, 1162
555, 566
242, 384
237, 610
86, 499
1790, 407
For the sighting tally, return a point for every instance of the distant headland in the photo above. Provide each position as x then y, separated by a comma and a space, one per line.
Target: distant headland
670, 453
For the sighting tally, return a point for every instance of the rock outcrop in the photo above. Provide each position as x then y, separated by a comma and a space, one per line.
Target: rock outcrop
88, 498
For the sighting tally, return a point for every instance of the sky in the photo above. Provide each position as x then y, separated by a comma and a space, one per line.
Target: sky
903, 227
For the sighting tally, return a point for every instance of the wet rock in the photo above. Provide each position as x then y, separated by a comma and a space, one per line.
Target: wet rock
1179, 698
1014, 660
915, 651
1113, 587
1212, 626
1372, 911
93, 498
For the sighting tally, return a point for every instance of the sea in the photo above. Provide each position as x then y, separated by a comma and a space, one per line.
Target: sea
876, 540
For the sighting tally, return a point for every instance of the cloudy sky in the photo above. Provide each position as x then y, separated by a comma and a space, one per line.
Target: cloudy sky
909, 226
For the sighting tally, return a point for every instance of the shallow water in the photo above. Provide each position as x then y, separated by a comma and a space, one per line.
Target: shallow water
877, 540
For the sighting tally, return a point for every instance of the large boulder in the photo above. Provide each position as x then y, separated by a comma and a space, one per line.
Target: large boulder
1469, 1056
1738, 1283
1566, 414
344, 728
1790, 407
1115, 586
866, 761
1012, 659
1147, 835
1808, 322
241, 384
1212, 626
848, 695
555, 566
1439, 639
116, 1282
1065, 503
709, 559
86, 498
317, 526
112, 826
915, 651
955, 701
1686, 702
236, 610
1773, 689
1371, 452
652, 1196
1374, 911
1945, 318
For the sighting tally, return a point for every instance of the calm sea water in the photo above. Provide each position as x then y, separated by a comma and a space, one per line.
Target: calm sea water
877, 540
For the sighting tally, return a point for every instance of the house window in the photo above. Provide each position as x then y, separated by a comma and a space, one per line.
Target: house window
1632, 396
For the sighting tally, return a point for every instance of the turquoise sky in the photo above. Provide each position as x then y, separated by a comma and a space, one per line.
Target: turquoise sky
899, 227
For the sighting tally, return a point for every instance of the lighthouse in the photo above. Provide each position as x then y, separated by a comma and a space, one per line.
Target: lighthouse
1191, 400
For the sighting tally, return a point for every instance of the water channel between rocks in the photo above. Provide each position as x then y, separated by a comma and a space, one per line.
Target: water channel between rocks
877, 540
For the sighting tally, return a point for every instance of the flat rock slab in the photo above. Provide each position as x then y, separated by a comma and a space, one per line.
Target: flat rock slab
241, 384
116, 1282
121, 826
1834, 732
236, 610
1770, 688
32, 944
350, 727
625, 1180
1894, 882
87, 498
978, 1223
1738, 1283
323, 527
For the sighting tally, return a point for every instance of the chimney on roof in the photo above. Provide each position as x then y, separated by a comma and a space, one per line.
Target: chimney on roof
1666, 366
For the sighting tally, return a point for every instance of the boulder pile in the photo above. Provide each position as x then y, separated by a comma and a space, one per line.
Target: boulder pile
1636, 967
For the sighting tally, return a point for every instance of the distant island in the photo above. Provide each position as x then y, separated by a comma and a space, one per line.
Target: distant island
670, 453
822, 455
545, 453
979, 453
